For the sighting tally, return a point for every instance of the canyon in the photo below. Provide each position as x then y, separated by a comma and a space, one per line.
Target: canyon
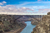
16, 23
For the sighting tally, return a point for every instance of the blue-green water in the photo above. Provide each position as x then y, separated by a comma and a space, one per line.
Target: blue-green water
28, 28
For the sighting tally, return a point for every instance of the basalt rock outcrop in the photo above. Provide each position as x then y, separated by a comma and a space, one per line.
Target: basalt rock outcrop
44, 25
35, 20
10, 22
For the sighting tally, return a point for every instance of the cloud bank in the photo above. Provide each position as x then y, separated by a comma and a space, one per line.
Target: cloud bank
32, 10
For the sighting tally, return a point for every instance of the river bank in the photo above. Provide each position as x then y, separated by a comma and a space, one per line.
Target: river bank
29, 27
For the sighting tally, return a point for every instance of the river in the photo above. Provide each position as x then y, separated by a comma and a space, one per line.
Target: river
28, 28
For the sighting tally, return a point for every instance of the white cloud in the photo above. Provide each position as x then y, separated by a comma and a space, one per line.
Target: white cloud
40, 1
2, 3
9, 9
20, 11
44, 10
39, 7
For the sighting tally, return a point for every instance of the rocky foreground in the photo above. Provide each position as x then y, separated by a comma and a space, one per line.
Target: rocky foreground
44, 25
11, 24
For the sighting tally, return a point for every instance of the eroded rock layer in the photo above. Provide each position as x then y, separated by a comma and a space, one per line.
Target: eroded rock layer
44, 25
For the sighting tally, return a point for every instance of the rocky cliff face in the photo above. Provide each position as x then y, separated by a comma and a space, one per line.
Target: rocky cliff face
9, 22
44, 25
33, 18
36, 19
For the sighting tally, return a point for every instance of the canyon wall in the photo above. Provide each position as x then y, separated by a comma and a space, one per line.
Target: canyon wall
9, 23
44, 25
36, 19
33, 18
16, 23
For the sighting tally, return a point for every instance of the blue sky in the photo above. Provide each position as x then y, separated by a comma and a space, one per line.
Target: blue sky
25, 7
